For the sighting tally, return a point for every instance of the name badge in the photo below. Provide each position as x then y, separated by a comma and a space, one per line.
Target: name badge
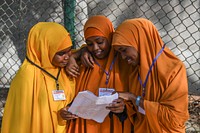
106, 91
58, 95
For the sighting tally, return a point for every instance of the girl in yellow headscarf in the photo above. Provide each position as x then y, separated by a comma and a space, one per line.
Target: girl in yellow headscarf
158, 84
40, 87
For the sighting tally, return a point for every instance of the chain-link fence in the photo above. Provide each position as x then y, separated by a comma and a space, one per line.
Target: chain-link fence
178, 22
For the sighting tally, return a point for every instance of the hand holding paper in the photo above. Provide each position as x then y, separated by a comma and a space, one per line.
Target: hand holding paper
89, 106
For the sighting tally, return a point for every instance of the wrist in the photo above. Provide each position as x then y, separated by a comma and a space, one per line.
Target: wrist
137, 101
75, 54
132, 98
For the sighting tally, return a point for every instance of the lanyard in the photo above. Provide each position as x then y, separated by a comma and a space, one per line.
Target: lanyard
154, 60
107, 72
55, 78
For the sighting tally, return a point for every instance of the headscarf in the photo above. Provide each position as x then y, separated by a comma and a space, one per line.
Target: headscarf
99, 25
30, 106
166, 90
44, 40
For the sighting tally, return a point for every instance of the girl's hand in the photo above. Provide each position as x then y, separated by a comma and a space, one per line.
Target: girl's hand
117, 106
66, 115
72, 69
127, 96
86, 58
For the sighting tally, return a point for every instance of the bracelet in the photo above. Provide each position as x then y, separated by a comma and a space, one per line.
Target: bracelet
137, 102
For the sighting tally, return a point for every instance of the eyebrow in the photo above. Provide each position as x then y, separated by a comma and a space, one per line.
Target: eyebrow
99, 38
120, 48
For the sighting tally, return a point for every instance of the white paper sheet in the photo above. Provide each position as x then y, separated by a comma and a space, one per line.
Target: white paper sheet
88, 106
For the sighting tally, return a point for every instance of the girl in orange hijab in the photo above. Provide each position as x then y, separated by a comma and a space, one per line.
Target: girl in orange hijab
108, 74
158, 84
40, 87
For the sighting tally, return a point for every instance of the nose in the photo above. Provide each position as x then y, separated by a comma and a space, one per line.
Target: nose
66, 56
95, 47
123, 56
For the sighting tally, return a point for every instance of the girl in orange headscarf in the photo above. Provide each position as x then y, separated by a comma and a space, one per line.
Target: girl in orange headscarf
40, 87
158, 84
108, 74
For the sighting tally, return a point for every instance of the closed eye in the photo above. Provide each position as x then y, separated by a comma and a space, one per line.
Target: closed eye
89, 43
100, 42
63, 52
123, 50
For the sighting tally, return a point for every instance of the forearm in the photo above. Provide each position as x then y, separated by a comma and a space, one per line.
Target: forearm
77, 53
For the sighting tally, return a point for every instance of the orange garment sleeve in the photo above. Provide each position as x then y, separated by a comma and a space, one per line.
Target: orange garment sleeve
170, 113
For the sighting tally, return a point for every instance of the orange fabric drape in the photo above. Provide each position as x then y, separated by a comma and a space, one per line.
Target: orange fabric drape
166, 94
30, 107
94, 78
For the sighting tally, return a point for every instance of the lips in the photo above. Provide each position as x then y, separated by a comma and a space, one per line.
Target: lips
98, 53
132, 62
129, 60
64, 63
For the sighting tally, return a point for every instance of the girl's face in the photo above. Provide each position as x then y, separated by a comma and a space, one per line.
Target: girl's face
98, 46
61, 58
128, 53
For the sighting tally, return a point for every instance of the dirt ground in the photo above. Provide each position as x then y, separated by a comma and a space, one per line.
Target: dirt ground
193, 124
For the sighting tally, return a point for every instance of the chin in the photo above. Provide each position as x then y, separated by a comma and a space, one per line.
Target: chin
134, 64
61, 66
100, 57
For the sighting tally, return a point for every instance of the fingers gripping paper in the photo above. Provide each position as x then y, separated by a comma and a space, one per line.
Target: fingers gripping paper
88, 106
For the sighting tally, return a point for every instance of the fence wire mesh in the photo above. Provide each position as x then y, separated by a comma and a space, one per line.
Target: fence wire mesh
178, 22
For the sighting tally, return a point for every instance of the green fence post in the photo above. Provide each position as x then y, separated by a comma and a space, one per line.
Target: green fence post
69, 18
